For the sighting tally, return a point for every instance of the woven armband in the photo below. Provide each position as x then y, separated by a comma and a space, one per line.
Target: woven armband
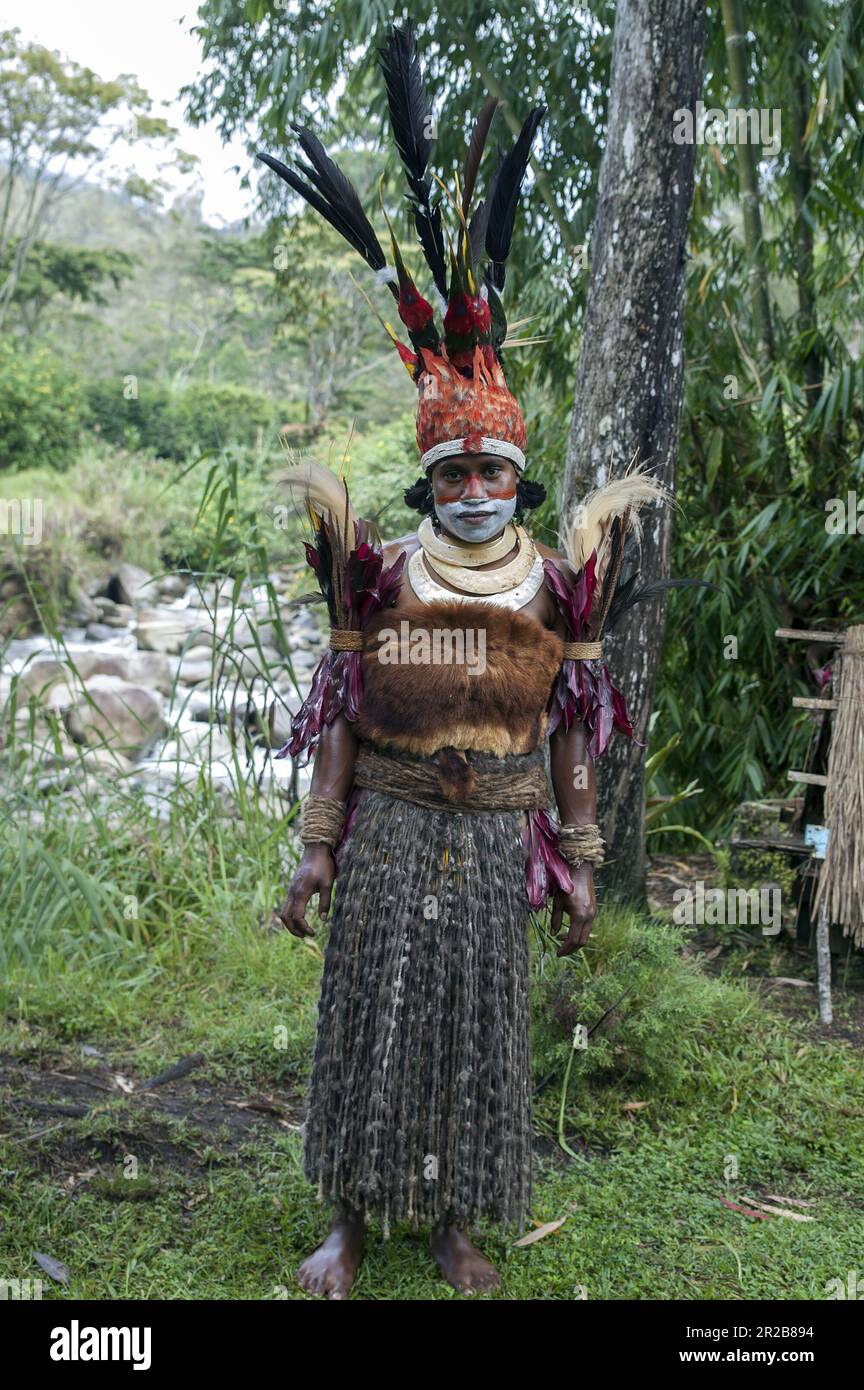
581, 844
346, 639
321, 820
582, 651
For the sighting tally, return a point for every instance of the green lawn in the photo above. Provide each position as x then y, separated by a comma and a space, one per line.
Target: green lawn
728, 1098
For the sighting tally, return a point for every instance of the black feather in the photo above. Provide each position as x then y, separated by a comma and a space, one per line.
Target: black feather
627, 596
480, 220
476, 146
612, 573
505, 198
324, 573
410, 115
332, 195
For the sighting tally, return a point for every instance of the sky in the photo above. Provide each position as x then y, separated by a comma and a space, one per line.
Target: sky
151, 41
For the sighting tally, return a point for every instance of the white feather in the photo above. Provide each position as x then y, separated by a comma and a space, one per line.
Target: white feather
318, 486
587, 526
386, 276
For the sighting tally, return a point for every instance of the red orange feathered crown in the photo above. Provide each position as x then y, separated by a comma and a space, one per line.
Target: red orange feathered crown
465, 404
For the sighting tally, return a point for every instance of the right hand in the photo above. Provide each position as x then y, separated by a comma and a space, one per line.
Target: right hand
316, 873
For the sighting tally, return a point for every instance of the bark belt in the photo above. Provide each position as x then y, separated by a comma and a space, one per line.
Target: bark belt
448, 782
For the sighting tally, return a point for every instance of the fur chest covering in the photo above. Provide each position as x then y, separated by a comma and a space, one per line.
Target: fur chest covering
457, 675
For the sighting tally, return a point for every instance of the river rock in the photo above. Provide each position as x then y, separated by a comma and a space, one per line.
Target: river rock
99, 632
195, 672
60, 695
251, 661
140, 668
173, 585
39, 677
148, 668
114, 614
131, 585
124, 716
107, 760
168, 629
216, 593
196, 744
83, 610
199, 653
199, 705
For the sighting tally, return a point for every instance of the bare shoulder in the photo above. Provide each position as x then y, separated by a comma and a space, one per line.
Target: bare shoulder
549, 553
403, 544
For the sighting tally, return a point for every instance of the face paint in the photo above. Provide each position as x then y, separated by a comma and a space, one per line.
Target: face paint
476, 519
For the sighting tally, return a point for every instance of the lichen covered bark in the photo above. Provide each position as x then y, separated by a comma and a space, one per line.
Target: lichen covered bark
630, 378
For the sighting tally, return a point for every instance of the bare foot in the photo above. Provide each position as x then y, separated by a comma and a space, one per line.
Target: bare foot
329, 1271
461, 1264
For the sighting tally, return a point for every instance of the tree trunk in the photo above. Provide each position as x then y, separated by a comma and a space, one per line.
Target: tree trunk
630, 378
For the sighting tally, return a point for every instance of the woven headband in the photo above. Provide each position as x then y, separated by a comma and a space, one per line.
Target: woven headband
448, 447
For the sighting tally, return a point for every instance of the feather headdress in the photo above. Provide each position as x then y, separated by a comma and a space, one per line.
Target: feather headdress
467, 262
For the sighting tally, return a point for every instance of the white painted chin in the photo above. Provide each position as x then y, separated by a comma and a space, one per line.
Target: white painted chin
455, 517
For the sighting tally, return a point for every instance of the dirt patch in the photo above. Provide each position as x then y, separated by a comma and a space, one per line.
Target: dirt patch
669, 872
76, 1117
801, 1005
782, 971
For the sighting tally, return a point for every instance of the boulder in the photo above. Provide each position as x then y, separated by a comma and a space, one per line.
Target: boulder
115, 712
114, 614
173, 585
167, 629
141, 668
131, 585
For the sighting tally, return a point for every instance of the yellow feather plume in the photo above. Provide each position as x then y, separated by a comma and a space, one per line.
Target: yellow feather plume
324, 493
587, 527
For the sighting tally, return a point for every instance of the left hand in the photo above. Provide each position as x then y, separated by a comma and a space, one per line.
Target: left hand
581, 908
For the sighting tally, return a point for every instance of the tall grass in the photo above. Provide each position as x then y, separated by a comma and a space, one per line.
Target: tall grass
119, 883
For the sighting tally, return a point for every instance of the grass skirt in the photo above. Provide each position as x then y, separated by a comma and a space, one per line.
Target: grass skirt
419, 1102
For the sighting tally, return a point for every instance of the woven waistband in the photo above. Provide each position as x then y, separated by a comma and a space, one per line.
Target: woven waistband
522, 787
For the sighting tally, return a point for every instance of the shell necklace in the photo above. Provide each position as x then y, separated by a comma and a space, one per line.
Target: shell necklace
468, 555
428, 591
482, 582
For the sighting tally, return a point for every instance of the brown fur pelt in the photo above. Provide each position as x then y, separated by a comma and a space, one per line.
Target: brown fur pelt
490, 698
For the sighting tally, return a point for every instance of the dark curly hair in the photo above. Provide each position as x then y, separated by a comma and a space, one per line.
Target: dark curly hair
528, 495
